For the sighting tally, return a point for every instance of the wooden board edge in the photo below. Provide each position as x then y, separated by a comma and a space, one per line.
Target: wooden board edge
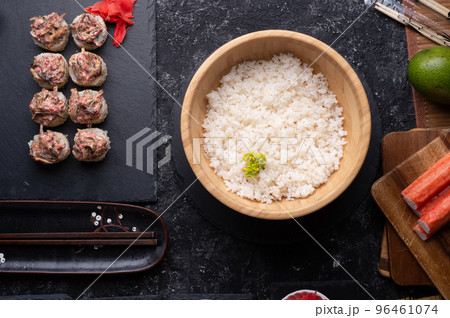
383, 263
446, 139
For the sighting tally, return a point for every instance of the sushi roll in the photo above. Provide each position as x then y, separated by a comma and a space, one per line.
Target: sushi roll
89, 31
50, 32
91, 144
48, 108
87, 69
87, 107
49, 147
50, 70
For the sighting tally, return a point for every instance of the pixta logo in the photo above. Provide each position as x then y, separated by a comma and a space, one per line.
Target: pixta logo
143, 145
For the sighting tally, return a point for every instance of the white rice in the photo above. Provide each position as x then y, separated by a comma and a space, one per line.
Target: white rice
292, 112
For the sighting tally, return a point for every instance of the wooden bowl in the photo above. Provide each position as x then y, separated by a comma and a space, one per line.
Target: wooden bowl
343, 82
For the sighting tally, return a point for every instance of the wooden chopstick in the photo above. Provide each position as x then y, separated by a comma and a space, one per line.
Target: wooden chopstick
78, 235
439, 8
79, 238
422, 29
98, 242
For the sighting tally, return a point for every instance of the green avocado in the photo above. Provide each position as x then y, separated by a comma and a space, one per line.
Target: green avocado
429, 73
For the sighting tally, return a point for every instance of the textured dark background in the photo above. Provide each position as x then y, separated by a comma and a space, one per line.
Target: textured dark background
200, 258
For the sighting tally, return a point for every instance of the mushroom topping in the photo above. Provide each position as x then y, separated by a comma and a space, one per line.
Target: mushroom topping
91, 144
87, 107
50, 70
49, 147
87, 69
89, 31
49, 108
50, 31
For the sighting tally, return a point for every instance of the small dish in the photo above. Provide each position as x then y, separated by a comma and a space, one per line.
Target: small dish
299, 293
67, 216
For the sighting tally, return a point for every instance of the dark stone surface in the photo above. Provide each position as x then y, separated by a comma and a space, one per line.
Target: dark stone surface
200, 258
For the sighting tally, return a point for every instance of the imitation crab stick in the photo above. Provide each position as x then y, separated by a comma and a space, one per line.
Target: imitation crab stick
421, 233
430, 205
433, 181
437, 217
441, 162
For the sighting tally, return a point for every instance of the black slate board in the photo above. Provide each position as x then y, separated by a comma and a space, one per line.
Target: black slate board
129, 91
283, 231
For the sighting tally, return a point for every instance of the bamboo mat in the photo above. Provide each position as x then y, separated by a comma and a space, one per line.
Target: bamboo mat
428, 114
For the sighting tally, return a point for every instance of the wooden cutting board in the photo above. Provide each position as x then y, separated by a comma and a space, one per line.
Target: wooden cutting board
433, 255
428, 115
396, 260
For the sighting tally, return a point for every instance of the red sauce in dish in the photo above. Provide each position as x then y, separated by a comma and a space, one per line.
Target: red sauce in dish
305, 296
